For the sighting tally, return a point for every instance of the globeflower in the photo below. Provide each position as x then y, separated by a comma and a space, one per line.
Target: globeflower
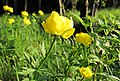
86, 72
27, 21
40, 12
6, 8
58, 25
24, 13
83, 38
11, 21
10, 9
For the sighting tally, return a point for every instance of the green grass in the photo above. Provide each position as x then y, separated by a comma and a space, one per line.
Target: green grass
23, 49
107, 11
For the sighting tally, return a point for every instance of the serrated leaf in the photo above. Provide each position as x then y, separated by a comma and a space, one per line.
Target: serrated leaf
93, 58
43, 51
26, 71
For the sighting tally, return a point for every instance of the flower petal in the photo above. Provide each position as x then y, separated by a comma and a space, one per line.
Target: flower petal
68, 33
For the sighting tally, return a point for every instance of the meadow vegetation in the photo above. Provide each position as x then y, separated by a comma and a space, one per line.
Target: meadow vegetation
28, 53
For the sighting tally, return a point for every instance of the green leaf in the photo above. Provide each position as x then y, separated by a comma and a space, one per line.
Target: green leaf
43, 78
27, 56
43, 51
26, 79
117, 31
26, 71
80, 19
93, 58
111, 77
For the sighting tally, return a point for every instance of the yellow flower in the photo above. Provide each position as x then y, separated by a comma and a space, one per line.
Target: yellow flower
40, 12
6, 8
83, 38
86, 72
10, 9
11, 21
58, 25
27, 21
24, 13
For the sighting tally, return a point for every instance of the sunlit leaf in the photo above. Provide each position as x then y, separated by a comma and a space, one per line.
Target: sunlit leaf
26, 71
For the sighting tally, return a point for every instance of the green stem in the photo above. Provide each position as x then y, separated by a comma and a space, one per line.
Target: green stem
94, 76
48, 53
17, 75
85, 50
82, 79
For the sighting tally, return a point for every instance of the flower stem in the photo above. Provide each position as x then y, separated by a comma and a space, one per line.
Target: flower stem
94, 76
82, 79
48, 53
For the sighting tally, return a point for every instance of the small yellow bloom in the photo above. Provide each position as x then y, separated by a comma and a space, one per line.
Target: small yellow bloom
10, 9
6, 8
27, 21
40, 12
24, 13
86, 72
11, 21
83, 38
58, 25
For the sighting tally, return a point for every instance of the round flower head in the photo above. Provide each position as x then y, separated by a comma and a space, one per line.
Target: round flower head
10, 9
24, 13
58, 25
83, 38
6, 8
86, 72
40, 12
27, 21
11, 21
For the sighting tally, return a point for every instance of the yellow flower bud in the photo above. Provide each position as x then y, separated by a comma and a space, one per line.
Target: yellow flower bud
10, 9
83, 38
86, 72
24, 13
40, 12
6, 8
11, 21
27, 21
58, 25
